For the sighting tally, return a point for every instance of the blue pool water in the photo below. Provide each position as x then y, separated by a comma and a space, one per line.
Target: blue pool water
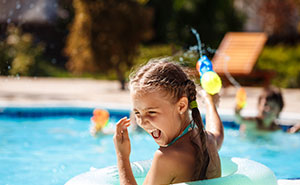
50, 146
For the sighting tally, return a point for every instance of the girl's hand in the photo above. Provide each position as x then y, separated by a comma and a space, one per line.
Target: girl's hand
294, 129
121, 138
211, 99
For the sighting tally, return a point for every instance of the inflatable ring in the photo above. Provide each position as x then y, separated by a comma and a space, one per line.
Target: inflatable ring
235, 171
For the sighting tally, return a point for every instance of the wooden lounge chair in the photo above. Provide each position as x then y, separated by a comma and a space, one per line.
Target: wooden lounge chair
237, 55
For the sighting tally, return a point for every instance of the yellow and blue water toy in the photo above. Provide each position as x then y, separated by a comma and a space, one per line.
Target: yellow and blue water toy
210, 80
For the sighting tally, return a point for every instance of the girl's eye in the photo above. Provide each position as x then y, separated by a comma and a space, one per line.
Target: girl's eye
152, 113
137, 114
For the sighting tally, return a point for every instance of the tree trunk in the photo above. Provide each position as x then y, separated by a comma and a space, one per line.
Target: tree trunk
122, 84
121, 79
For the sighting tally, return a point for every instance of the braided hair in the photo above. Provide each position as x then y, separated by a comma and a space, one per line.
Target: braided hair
169, 77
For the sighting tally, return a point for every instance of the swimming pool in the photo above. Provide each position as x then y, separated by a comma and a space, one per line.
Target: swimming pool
51, 145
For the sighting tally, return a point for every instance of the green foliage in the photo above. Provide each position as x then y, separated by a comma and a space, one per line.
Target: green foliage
5, 58
26, 55
212, 19
154, 51
285, 61
282, 59
187, 58
19, 55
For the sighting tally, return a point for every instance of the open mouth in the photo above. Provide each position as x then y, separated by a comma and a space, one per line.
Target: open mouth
156, 133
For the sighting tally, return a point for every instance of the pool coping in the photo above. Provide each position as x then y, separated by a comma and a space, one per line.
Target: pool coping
286, 118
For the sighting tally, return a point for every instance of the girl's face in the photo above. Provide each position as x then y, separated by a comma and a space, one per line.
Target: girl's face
269, 110
157, 115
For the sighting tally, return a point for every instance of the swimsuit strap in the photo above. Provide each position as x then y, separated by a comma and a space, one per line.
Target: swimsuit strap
188, 128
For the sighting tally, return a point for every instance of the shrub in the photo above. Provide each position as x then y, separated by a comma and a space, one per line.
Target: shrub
285, 61
105, 35
5, 58
18, 53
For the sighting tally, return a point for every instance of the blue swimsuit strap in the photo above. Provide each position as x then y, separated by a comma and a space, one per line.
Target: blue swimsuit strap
188, 128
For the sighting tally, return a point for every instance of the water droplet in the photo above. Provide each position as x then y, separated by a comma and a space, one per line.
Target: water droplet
53, 60
18, 5
11, 12
8, 20
193, 48
31, 5
8, 67
38, 9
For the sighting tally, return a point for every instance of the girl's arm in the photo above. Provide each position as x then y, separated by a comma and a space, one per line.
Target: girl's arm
162, 167
213, 122
122, 146
237, 115
239, 119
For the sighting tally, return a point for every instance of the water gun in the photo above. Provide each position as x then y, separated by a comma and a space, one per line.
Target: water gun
100, 119
210, 80
241, 98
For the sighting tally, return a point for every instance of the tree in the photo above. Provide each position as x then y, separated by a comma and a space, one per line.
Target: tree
280, 19
105, 36
19, 55
212, 19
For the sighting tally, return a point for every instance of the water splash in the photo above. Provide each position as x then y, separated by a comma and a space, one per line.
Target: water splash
189, 53
194, 31
225, 67
18, 5
53, 60
31, 5
10, 13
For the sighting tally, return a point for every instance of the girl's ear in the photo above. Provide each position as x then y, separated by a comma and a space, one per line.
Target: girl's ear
182, 105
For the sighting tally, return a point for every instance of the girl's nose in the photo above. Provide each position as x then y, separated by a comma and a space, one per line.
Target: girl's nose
143, 121
267, 108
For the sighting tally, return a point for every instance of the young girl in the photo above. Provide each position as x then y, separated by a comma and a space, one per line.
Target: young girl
163, 97
270, 104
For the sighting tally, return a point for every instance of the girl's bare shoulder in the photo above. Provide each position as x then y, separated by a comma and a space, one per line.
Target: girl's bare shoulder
179, 160
178, 155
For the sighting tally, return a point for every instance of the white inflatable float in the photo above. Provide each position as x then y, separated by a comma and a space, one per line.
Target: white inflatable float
235, 171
